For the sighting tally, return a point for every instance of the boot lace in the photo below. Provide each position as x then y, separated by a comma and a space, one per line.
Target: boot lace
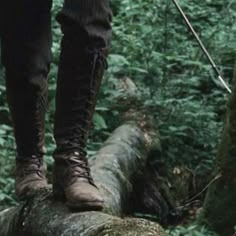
98, 58
31, 165
82, 112
79, 167
44, 103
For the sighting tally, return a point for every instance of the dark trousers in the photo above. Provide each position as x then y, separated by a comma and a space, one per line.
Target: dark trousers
25, 28
25, 34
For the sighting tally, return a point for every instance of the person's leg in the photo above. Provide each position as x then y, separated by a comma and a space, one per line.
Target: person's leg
86, 26
26, 42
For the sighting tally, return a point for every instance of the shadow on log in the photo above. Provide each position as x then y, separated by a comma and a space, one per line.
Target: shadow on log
113, 168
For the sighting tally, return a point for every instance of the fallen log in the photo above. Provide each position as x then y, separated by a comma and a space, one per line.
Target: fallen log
114, 168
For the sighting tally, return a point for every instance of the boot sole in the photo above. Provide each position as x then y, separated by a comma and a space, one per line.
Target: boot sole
80, 206
86, 206
31, 193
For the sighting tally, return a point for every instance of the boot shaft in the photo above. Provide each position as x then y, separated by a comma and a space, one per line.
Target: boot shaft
28, 103
81, 70
26, 54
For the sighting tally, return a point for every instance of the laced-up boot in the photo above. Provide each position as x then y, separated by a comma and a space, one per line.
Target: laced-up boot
26, 55
30, 176
27, 109
81, 68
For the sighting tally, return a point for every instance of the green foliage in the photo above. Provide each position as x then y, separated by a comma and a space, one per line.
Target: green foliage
153, 47
193, 230
176, 82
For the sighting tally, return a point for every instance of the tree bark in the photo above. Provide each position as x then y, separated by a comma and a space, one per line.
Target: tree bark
113, 168
219, 210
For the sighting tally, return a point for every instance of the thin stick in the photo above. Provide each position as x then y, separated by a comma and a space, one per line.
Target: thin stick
201, 45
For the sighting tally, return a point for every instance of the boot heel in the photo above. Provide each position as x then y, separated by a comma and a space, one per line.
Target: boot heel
57, 188
58, 192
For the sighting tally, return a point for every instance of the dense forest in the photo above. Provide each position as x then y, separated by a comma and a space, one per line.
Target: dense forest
154, 52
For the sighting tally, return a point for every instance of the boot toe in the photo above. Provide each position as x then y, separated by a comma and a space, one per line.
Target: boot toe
84, 196
28, 190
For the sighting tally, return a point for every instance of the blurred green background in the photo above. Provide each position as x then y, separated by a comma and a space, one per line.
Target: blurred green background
152, 46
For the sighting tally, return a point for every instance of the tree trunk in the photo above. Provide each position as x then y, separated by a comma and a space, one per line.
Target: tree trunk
219, 211
113, 168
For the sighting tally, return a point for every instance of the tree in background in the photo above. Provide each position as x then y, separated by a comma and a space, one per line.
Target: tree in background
219, 210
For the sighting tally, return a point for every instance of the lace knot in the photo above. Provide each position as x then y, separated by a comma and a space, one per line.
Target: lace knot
79, 167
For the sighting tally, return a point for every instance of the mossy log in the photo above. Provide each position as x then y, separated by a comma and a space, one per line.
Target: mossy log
113, 168
219, 210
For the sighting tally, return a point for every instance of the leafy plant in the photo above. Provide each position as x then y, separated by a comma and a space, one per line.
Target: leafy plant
152, 46
193, 230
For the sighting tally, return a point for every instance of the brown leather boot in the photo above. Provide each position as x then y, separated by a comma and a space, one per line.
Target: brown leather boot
30, 176
27, 61
73, 182
27, 108
81, 68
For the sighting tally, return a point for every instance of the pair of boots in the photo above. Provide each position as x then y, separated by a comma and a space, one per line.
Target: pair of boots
81, 67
